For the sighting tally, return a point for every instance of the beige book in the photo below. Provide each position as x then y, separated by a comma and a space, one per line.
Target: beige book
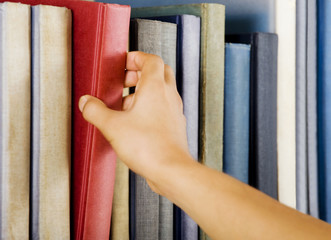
51, 122
120, 214
15, 120
286, 30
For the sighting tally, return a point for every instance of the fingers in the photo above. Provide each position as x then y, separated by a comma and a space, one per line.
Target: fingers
169, 76
127, 102
97, 113
150, 65
131, 78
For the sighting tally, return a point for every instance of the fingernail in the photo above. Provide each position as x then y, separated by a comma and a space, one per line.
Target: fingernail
82, 102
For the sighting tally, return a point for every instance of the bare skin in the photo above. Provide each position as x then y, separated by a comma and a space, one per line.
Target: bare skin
149, 136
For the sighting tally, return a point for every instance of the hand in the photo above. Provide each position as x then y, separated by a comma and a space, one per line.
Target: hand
151, 127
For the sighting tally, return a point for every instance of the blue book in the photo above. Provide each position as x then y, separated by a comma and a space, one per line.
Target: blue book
236, 110
324, 108
242, 16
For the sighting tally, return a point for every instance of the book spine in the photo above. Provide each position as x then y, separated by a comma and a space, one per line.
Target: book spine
168, 54
286, 152
112, 40
236, 111
312, 107
263, 114
324, 109
51, 122
146, 203
120, 213
15, 99
212, 85
301, 102
189, 57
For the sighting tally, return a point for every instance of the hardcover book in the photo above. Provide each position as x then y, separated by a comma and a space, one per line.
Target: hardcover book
51, 122
324, 109
301, 108
263, 110
286, 82
236, 110
312, 107
15, 99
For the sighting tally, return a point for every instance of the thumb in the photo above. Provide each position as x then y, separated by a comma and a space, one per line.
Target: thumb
97, 113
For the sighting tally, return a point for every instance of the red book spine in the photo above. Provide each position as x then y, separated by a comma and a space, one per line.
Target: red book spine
99, 171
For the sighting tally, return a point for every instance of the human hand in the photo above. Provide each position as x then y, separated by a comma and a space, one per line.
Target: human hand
151, 128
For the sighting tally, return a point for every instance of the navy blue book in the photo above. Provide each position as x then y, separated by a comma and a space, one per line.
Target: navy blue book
236, 110
324, 108
187, 76
263, 173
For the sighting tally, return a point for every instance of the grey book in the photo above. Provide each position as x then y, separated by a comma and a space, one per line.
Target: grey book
301, 103
51, 122
15, 99
153, 214
312, 107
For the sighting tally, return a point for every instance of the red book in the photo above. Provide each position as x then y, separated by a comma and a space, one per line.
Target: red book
100, 40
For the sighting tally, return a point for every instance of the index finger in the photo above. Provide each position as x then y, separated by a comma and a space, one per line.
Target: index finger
140, 61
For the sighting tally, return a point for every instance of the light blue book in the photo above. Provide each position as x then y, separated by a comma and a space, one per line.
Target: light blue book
324, 108
236, 110
242, 16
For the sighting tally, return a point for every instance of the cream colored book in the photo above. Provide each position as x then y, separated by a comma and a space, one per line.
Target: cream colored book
120, 214
15, 100
286, 122
51, 122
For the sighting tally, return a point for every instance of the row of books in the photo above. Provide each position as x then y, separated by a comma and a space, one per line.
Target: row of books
246, 114
57, 172
270, 126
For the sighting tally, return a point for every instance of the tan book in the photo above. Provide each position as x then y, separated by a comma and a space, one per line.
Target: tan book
15, 120
51, 122
120, 214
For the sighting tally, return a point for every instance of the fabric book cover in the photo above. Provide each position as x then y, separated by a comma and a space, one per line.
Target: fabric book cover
285, 11
15, 101
301, 108
263, 110
236, 110
100, 40
324, 109
311, 57
51, 122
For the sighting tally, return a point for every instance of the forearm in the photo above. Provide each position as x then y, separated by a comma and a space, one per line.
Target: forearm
228, 209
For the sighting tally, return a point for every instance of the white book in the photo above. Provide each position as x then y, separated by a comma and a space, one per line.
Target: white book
285, 15
14, 120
